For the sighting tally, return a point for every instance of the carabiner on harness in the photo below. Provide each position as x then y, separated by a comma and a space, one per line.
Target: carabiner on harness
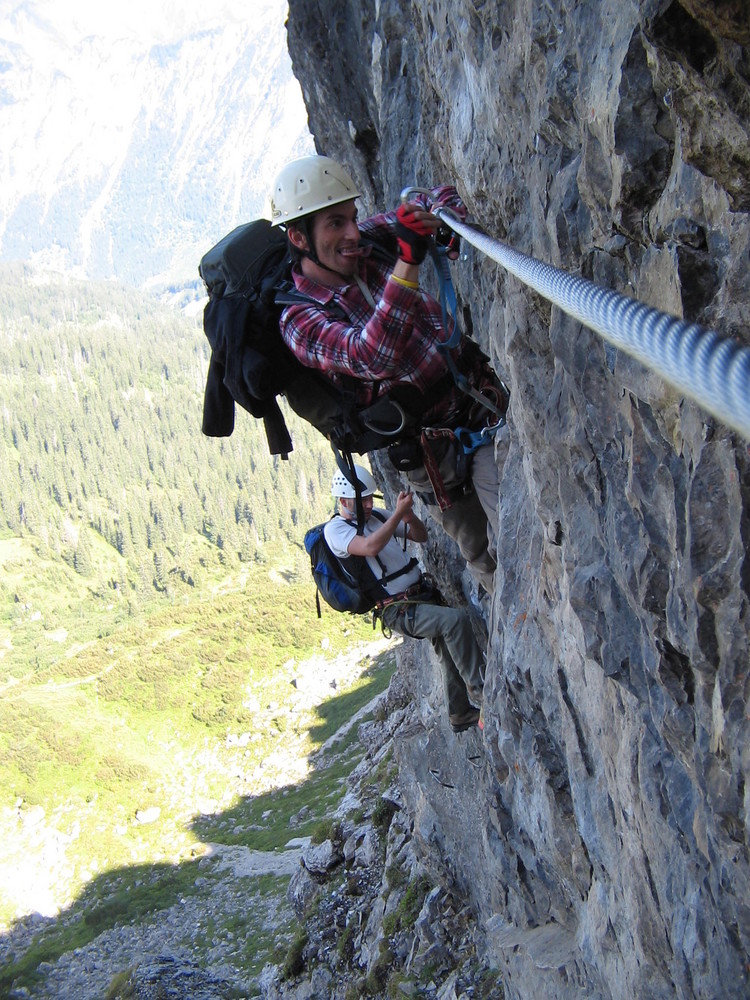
471, 440
385, 416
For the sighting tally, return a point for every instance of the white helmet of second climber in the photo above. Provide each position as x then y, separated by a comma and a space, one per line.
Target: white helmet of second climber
341, 487
307, 185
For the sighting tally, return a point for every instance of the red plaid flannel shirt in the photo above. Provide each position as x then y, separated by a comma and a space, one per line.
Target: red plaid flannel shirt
396, 344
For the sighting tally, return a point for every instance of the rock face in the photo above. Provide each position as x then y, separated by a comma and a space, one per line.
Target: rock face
602, 837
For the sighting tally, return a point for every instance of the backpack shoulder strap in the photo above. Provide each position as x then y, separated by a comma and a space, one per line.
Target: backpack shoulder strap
385, 577
285, 294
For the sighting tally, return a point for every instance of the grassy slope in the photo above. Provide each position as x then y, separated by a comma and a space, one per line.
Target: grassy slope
188, 708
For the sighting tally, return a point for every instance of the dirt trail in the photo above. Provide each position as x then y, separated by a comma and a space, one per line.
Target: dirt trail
244, 861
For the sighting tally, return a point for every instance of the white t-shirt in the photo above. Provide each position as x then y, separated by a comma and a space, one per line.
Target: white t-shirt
339, 533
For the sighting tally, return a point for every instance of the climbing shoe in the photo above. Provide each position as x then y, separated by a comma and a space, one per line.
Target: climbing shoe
464, 720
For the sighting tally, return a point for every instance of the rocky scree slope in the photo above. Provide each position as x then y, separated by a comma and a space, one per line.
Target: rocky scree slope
602, 844
376, 918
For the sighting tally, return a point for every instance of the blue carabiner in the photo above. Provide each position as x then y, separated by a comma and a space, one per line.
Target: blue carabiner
471, 440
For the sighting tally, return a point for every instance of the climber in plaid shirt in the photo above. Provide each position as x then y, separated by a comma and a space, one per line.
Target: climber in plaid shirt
371, 321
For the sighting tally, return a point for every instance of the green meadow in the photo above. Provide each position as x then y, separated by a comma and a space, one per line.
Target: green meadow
197, 711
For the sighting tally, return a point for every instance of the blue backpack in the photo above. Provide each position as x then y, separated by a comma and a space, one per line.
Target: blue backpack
346, 585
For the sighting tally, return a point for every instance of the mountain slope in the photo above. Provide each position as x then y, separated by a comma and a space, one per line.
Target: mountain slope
134, 143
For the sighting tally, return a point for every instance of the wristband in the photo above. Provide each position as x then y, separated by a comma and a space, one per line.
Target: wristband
404, 282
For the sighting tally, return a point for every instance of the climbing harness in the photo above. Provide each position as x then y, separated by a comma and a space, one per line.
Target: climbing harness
366, 292
712, 370
469, 439
425, 591
345, 462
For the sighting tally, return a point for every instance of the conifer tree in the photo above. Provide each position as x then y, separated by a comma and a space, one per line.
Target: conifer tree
82, 558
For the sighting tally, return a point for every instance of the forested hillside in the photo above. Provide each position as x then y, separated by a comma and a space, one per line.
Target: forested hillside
105, 475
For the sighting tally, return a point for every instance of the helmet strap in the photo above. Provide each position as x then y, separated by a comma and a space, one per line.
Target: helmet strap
306, 229
345, 462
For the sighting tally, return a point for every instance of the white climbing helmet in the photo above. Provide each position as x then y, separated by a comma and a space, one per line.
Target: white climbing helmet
341, 487
307, 185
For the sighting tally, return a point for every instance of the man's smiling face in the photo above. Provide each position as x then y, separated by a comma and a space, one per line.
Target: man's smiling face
335, 237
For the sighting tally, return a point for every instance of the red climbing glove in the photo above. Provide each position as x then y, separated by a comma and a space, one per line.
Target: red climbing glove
413, 234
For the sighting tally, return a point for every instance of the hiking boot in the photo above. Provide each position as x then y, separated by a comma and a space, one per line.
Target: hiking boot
464, 720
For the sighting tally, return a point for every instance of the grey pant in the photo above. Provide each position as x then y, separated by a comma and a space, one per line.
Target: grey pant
472, 521
452, 637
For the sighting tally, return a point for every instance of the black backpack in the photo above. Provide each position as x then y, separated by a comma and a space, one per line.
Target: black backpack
346, 585
248, 279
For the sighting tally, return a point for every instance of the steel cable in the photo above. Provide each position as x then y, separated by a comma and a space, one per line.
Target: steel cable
710, 369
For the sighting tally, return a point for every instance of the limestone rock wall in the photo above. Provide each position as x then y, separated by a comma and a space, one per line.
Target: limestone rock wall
599, 827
